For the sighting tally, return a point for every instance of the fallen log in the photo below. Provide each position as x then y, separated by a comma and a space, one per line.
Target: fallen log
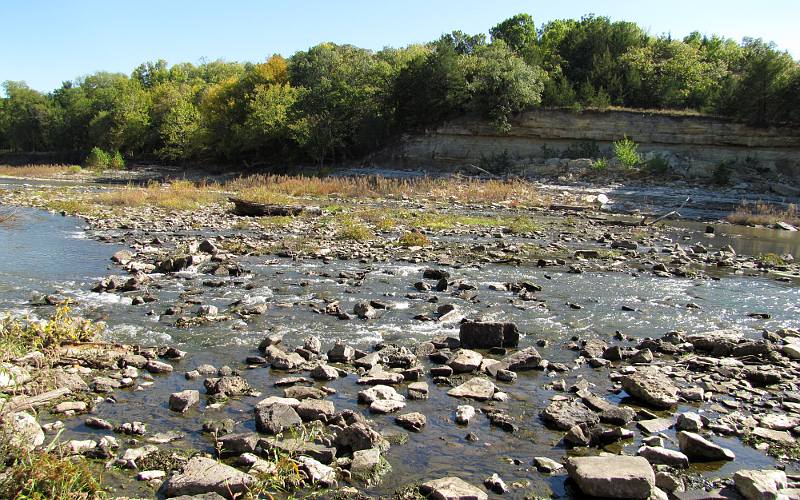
253, 209
29, 402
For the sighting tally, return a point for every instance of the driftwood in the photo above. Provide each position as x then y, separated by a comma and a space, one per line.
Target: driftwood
253, 209
27, 402
574, 208
669, 214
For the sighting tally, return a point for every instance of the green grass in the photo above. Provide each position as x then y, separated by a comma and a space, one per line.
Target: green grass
413, 239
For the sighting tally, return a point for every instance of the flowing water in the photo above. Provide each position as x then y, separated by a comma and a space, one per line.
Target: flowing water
41, 253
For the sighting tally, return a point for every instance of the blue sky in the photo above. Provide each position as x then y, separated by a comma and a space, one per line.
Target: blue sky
45, 42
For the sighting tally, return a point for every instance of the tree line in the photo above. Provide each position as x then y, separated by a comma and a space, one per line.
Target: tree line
338, 102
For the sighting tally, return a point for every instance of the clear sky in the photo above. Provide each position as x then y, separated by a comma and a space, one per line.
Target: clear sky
45, 42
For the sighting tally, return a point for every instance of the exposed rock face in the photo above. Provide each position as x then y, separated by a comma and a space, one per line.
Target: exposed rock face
651, 386
452, 488
612, 476
478, 335
204, 475
694, 145
698, 448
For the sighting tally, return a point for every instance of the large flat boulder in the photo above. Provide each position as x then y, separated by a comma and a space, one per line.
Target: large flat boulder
700, 449
485, 335
652, 387
452, 488
204, 475
476, 388
612, 476
563, 415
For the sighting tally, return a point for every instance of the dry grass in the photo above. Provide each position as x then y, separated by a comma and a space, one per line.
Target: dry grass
40, 171
276, 189
177, 195
764, 214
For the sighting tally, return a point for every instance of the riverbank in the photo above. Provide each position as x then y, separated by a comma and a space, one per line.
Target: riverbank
347, 343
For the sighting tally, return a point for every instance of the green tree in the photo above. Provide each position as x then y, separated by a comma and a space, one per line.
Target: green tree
502, 84
518, 32
28, 119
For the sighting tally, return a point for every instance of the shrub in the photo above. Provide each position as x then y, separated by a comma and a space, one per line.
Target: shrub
117, 162
497, 163
583, 149
600, 164
353, 230
414, 239
627, 152
658, 165
74, 169
97, 159
18, 337
721, 175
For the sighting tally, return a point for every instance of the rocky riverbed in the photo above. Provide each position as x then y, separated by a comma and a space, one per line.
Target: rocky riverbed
497, 357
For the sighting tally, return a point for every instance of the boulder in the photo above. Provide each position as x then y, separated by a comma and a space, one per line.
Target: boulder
651, 386
563, 415
464, 414
452, 488
317, 472
476, 388
369, 466
360, 436
524, 359
324, 372
25, 432
183, 400
228, 386
465, 361
203, 475
658, 455
341, 353
485, 335
760, 484
612, 476
412, 421
315, 409
276, 418
700, 449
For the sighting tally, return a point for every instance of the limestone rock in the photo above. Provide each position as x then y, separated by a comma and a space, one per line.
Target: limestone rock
652, 387
476, 388
484, 335
612, 476
563, 415
452, 488
698, 448
204, 475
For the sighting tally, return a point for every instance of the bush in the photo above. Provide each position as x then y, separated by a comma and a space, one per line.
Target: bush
117, 162
627, 152
413, 239
658, 165
721, 176
583, 149
600, 164
97, 159
74, 169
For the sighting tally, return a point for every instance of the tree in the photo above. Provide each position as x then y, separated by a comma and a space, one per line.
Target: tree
518, 32
503, 84
340, 109
28, 117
